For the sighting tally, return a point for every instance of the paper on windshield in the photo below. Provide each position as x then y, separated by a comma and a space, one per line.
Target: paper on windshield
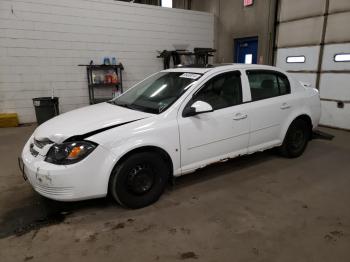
190, 75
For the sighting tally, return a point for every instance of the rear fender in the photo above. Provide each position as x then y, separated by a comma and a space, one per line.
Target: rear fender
291, 118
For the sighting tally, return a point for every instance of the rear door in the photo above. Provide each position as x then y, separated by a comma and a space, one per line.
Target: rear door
271, 103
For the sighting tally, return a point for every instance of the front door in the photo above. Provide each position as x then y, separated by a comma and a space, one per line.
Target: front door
246, 50
212, 136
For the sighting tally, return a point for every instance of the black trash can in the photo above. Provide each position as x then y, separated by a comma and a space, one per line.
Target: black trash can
45, 108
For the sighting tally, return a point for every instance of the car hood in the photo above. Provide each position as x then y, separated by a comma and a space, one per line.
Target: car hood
90, 119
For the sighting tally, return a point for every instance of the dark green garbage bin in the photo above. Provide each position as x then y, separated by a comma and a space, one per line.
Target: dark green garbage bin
45, 108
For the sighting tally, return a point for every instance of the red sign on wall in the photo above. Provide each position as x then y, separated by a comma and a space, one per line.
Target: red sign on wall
248, 2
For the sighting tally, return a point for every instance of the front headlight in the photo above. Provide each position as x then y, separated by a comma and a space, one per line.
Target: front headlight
70, 152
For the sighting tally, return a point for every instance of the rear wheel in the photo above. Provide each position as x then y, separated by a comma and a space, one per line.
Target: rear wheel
139, 180
296, 139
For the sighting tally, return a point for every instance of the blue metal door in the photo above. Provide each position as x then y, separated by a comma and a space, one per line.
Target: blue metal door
246, 50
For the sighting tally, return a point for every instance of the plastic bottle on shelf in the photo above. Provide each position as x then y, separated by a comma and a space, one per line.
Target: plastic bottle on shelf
114, 78
106, 61
108, 79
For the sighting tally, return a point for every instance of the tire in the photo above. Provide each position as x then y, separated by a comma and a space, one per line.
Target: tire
296, 139
139, 180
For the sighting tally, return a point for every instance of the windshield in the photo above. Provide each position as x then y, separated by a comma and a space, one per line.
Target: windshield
156, 93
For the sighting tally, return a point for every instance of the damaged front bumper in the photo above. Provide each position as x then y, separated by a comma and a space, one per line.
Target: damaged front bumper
83, 180
45, 179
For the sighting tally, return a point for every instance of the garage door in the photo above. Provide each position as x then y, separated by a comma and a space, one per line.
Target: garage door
313, 44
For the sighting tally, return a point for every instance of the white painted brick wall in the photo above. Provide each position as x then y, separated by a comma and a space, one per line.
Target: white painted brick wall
43, 41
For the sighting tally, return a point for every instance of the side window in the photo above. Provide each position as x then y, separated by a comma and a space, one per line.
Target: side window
221, 91
267, 84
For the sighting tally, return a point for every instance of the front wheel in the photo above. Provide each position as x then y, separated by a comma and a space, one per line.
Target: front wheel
139, 180
296, 139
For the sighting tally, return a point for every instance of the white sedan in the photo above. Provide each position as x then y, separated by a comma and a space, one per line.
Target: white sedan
168, 125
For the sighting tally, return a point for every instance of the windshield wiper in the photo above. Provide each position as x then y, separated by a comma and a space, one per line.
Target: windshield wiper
130, 107
122, 105
126, 106
138, 108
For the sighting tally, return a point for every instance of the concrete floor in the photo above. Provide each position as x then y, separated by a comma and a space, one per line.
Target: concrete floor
255, 208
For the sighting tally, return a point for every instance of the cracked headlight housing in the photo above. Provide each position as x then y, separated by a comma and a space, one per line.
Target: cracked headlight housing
69, 152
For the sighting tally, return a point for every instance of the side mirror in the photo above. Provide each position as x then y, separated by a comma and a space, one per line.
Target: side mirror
198, 107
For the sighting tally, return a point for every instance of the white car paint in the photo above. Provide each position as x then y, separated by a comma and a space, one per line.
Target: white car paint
190, 142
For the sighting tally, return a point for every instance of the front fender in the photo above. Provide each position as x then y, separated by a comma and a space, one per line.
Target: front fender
126, 147
156, 133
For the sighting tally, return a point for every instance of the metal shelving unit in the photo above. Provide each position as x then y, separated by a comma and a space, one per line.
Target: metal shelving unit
199, 57
94, 83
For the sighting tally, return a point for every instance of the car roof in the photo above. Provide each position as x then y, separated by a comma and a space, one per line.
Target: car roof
220, 67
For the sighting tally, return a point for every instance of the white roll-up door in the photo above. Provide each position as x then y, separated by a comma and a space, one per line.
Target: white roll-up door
313, 44
301, 62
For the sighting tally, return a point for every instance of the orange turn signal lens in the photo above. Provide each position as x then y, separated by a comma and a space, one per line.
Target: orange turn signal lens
74, 153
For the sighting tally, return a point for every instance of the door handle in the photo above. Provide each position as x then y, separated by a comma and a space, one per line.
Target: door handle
285, 106
239, 116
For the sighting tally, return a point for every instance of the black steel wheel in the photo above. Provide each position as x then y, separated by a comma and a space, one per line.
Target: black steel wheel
139, 180
296, 139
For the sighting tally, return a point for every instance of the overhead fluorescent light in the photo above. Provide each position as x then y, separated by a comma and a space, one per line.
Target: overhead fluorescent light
160, 89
